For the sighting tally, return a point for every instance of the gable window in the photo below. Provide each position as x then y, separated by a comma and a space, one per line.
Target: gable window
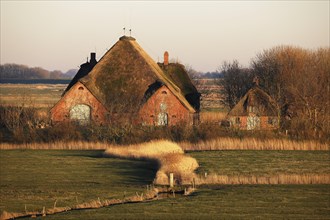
162, 119
81, 113
81, 88
252, 109
238, 120
164, 92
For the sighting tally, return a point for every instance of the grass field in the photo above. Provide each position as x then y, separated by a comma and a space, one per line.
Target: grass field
39, 178
36, 95
227, 202
262, 163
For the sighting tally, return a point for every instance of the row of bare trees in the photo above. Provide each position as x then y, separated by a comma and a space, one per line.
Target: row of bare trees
16, 71
297, 79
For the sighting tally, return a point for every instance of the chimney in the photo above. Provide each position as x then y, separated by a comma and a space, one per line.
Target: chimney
93, 58
256, 81
165, 58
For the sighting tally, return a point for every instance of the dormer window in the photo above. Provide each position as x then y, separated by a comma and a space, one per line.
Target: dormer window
252, 109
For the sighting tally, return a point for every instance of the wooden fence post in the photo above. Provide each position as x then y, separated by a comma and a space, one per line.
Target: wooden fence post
171, 180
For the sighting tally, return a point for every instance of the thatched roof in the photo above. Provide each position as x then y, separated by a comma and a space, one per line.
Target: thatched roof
176, 73
255, 97
85, 68
121, 77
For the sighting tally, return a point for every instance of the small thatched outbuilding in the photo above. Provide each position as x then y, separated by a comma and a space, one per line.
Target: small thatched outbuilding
256, 110
127, 85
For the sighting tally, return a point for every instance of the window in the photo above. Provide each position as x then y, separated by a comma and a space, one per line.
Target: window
252, 109
81, 113
162, 107
164, 92
162, 119
272, 121
253, 122
81, 88
238, 120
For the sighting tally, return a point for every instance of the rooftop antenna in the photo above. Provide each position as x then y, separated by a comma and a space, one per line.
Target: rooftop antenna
124, 31
130, 32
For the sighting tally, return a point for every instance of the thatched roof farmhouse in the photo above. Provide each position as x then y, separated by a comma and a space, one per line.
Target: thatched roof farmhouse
127, 85
256, 110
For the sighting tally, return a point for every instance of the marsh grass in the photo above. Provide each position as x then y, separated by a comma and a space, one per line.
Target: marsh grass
226, 143
215, 179
58, 145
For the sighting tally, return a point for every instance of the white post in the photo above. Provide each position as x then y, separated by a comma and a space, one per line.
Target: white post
171, 180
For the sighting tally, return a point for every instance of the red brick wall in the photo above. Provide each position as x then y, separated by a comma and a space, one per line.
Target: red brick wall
78, 94
264, 125
175, 110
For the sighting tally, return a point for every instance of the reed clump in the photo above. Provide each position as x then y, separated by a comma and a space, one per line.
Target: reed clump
169, 156
149, 150
272, 179
59, 145
227, 143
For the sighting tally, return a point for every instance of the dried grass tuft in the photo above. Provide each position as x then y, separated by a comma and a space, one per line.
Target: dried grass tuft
150, 150
169, 155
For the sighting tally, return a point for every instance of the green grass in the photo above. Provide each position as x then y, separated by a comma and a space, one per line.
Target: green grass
262, 162
38, 178
229, 202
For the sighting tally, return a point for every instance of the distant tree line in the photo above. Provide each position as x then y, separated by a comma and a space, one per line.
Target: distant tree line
297, 79
17, 71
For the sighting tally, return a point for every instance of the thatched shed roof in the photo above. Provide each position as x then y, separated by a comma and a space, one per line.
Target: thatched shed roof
255, 97
122, 76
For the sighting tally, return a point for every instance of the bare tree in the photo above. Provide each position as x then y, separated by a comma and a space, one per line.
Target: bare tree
235, 83
298, 79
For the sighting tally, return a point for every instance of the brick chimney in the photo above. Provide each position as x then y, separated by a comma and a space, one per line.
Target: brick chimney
93, 58
256, 81
165, 58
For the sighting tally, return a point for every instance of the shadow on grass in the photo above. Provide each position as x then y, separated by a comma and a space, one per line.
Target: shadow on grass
121, 171
132, 172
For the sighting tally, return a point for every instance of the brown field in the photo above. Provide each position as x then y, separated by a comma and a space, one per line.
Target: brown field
210, 94
31, 95
213, 117
46, 95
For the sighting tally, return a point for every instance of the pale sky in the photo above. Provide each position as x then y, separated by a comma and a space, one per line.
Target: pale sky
61, 34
